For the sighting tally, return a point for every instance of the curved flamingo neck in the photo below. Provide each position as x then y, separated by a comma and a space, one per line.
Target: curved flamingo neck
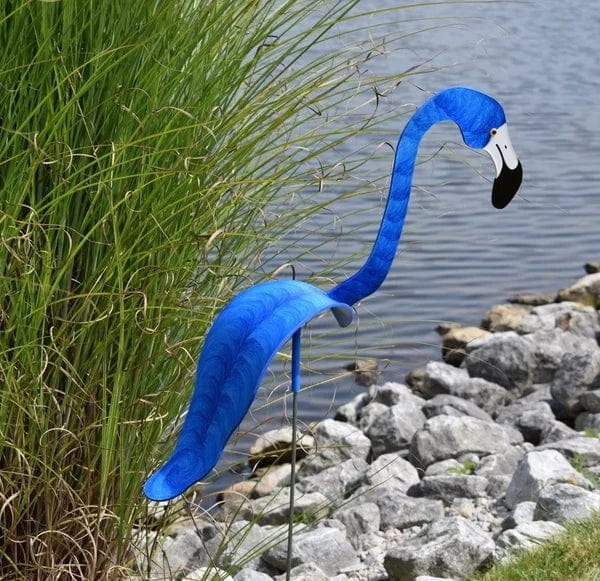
374, 271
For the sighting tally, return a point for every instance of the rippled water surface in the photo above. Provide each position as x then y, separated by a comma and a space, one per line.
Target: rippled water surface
458, 255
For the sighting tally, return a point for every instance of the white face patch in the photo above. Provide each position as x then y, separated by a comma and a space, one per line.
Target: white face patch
501, 150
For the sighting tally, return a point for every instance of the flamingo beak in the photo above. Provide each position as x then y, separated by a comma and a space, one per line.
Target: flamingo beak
509, 172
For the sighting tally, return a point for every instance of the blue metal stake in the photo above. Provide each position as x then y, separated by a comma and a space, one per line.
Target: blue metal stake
295, 387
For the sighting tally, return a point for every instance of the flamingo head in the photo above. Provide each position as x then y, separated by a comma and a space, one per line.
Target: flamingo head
482, 123
509, 171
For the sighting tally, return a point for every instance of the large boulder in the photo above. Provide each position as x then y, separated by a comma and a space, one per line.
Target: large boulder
359, 519
529, 418
391, 428
399, 511
590, 401
447, 487
274, 509
328, 547
275, 447
501, 463
455, 341
391, 470
586, 291
441, 378
451, 405
539, 470
506, 359
335, 442
511, 317
566, 502
588, 421
525, 537
208, 574
336, 482
391, 393
180, 550
586, 451
451, 547
577, 374
445, 437
517, 362
568, 316
247, 574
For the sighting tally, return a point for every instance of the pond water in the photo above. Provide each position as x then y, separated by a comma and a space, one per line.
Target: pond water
458, 255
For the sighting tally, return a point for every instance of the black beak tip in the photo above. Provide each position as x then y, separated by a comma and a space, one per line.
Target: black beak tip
506, 185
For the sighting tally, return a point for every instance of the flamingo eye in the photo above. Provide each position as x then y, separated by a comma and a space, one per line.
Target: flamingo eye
493, 132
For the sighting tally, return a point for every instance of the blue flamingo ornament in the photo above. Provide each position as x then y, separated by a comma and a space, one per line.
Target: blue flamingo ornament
257, 322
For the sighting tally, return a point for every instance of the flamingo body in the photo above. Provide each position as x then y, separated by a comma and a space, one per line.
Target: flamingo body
237, 351
256, 323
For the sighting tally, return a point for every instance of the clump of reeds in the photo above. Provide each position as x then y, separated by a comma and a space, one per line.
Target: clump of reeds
140, 144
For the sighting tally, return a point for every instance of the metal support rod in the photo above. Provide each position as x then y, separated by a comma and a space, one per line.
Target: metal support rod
295, 387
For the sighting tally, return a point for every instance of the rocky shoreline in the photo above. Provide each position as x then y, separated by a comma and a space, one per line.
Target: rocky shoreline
489, 451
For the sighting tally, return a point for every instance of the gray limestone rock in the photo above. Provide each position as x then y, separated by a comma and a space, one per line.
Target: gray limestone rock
501, 463
568, 316
180, 550
270, 478
590, 401
511, 317
326, 546
585, 291
566, 502
555, 432
350, 411
526, 536
456, 340
578, 373
522, 513
310, 572
531, 299
274, 447
335, 442
506, 359
359, 520
441, 378
445, 437
451, 547
393, 471
370, 413
588, 421
208, 574
274, 509
394, 427
242, 544
391, 394
451, 405
449, 466
336, 482
247, 574
529, 418
447, 487
585, 449
538, 470
518, 361
399, 511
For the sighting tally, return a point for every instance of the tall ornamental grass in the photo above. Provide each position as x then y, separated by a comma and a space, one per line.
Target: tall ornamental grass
141, 144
